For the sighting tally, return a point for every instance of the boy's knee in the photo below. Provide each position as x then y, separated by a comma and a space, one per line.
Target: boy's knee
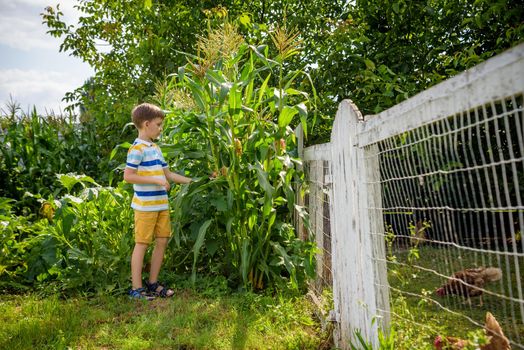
161, 242
141, 246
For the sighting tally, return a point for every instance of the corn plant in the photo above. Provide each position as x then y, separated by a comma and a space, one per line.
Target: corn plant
231, 111
36, 148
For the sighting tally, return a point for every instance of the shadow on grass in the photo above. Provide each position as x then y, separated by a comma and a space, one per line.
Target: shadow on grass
188, 321
240, 333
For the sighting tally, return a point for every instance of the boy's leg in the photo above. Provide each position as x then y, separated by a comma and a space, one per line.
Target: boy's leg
156, 258
137, 260
162, 234
144, 227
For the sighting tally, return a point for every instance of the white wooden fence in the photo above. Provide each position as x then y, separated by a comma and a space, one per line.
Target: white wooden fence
348, 173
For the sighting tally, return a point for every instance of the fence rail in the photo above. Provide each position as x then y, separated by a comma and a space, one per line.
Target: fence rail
440, 175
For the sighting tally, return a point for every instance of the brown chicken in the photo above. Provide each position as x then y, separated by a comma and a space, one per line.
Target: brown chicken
470, 282
496, 338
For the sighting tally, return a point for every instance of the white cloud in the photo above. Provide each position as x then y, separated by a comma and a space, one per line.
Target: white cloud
44, 89
27, 34
32, 70
21, 25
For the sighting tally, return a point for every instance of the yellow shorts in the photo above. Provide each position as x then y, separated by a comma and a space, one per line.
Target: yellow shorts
149, 224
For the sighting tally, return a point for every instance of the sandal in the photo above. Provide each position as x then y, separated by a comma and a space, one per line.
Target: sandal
159, 290
140, 294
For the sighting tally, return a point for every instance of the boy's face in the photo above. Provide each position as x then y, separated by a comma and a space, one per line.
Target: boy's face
153, 128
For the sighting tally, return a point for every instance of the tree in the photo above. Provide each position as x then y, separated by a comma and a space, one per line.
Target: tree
133, 44
129, 48
377, 53
385, 51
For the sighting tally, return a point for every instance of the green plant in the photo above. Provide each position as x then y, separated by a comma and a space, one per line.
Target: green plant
243, 104
386, 341
20, 239
35, 148
77, 244
93, 236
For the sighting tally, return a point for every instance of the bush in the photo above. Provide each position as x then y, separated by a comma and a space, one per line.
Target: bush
82, 244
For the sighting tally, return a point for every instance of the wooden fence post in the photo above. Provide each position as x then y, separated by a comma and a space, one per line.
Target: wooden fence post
375, 219
352, 254
299, 198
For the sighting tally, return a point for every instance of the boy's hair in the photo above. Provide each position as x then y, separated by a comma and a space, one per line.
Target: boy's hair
145, 112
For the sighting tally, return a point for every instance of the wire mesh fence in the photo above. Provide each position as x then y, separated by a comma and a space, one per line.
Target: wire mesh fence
418, 212
317, 201
452, 197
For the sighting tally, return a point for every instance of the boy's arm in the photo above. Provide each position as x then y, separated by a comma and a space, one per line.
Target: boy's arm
177, 178
131, 176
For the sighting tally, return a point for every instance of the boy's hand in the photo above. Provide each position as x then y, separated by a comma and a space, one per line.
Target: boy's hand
164, 183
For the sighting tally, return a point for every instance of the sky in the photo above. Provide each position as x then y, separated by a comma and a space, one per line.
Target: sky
32, 70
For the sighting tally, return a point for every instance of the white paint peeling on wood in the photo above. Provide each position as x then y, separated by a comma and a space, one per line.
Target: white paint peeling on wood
353, 282
318, 152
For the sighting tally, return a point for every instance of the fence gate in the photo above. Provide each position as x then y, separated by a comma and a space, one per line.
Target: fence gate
418, 192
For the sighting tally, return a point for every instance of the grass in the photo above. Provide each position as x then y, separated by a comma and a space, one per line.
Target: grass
190, 320
210, 317
419, 318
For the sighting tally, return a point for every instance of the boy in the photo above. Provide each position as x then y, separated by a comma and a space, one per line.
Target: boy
147, 170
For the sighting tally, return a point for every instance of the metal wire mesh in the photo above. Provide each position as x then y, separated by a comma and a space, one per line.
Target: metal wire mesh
317, 201
452, 199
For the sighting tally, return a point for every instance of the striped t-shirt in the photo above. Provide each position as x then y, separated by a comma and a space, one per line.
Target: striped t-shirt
147, 159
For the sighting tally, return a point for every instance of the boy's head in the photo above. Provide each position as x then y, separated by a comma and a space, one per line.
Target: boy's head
145, 112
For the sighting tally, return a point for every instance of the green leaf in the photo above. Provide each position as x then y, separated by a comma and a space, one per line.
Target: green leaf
67, 224
244, 260
262, 177
212, 246
284, 257
198, 244
198, 94
235, 100
71, 179
286, 116
248, 95
252, 220
291, 91
148, 4
268, 205
215, 78
259, 52
272, 218
263, 87
224, 90
244, 19
220, 203
369, 64
396, 7
124, 145
302, 111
